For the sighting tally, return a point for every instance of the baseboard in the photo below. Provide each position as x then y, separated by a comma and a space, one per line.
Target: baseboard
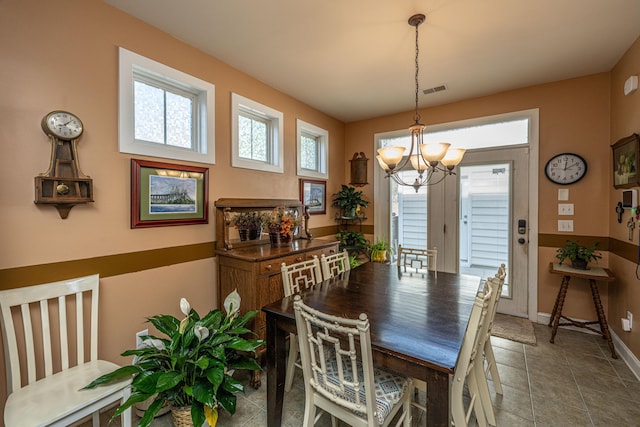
623, 351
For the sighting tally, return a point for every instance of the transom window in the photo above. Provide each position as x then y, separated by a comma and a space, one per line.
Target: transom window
313, 143
164, 112
256, 134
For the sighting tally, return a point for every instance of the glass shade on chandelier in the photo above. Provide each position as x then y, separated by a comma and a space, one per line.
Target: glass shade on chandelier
432, 161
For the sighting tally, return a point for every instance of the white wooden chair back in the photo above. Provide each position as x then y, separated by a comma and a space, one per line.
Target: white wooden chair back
301, 275
338, 369
417, 260
491, 365
35, 325
466, 363
335, 264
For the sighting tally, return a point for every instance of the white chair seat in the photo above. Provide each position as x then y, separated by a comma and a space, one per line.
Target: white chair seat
389, 388
53, 400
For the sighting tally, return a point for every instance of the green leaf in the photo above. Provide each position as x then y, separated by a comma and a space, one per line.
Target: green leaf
241, 344
135, 397
204, 393
146, 382
228, 402
197, 414
215, 377
118, 374
151, 412
248, 363
232, 385
202, 362
166, 324
168, 381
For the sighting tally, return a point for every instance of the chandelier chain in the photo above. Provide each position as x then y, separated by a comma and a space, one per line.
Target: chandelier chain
417, 115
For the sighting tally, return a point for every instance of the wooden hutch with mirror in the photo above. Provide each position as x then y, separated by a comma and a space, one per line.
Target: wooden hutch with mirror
251, 263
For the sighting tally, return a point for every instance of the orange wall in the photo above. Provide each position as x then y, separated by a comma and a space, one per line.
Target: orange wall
625, 119
64, 55
574, 117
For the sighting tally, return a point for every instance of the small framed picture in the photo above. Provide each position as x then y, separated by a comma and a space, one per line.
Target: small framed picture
164, 194
313, 193
625, 162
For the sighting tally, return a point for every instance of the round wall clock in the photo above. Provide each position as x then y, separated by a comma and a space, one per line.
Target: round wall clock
62, 125
565, 168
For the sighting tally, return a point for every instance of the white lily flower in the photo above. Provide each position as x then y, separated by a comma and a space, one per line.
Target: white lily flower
183, 324
200, 332
152, 342
232, 303
185, 307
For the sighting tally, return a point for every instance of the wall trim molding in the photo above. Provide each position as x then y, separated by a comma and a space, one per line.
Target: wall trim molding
621, 248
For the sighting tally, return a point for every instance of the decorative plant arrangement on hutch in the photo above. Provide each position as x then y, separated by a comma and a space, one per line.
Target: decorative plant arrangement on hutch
253, 266
191, 368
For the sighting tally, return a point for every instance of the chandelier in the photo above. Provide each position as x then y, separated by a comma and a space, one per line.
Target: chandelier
432, 161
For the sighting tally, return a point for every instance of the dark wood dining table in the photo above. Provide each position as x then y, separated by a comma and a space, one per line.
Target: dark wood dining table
417, 325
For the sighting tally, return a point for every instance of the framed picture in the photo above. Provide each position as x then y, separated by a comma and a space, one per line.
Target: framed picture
313, 193
163, 194
625, 162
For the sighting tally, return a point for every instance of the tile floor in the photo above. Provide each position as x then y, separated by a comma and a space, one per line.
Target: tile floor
573, 382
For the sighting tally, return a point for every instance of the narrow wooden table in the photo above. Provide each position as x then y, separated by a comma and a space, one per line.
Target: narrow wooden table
417, 327
593, 275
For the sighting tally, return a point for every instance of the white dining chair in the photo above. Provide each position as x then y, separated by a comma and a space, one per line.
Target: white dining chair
417, 260
469, 369
35, 321
339, 376
490, 359
334, 264
296, 277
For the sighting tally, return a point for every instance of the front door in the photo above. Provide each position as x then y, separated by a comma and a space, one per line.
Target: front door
493, 221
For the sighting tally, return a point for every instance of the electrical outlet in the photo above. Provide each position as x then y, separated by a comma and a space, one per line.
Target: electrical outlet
630, 317
139, 341
565, 208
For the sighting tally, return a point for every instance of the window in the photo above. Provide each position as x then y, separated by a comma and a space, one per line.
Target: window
256, 135
164, 112
313, 148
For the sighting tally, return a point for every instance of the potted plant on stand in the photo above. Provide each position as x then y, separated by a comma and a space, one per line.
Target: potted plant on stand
349, 201
191, 369
378, 250
579, 255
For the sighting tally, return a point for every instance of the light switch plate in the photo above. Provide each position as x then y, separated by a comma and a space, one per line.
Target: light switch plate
565, 225
563, 194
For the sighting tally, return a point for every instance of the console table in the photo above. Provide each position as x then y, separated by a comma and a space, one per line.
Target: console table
593, 275
253, 267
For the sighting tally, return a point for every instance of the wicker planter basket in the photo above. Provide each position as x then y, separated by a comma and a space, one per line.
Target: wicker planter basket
182, 416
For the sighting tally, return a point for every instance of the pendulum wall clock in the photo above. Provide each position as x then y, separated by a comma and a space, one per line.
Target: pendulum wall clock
63, 185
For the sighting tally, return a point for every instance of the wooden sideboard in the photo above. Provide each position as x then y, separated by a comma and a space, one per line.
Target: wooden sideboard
253, 267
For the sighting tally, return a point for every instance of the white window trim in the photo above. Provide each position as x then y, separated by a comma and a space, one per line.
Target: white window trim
276, 163
323, 149
128, 63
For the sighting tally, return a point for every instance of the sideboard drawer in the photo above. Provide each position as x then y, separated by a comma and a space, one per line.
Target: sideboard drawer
324, 251
273, 265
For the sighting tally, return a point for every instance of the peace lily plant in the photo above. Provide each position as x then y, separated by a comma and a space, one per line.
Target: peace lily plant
193, 365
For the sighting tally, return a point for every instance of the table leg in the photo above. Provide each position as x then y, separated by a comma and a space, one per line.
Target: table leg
276, 361
438, 413
557, 309
555, 306
602, 319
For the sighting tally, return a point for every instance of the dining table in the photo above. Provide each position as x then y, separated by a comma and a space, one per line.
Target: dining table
418, 322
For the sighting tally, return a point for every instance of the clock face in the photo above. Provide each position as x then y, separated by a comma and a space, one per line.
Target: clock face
62, 124
566, 168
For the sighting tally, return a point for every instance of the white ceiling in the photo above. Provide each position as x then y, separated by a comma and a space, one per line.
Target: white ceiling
354, 59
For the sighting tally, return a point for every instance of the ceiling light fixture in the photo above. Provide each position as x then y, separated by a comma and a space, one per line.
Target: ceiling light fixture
433, 161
